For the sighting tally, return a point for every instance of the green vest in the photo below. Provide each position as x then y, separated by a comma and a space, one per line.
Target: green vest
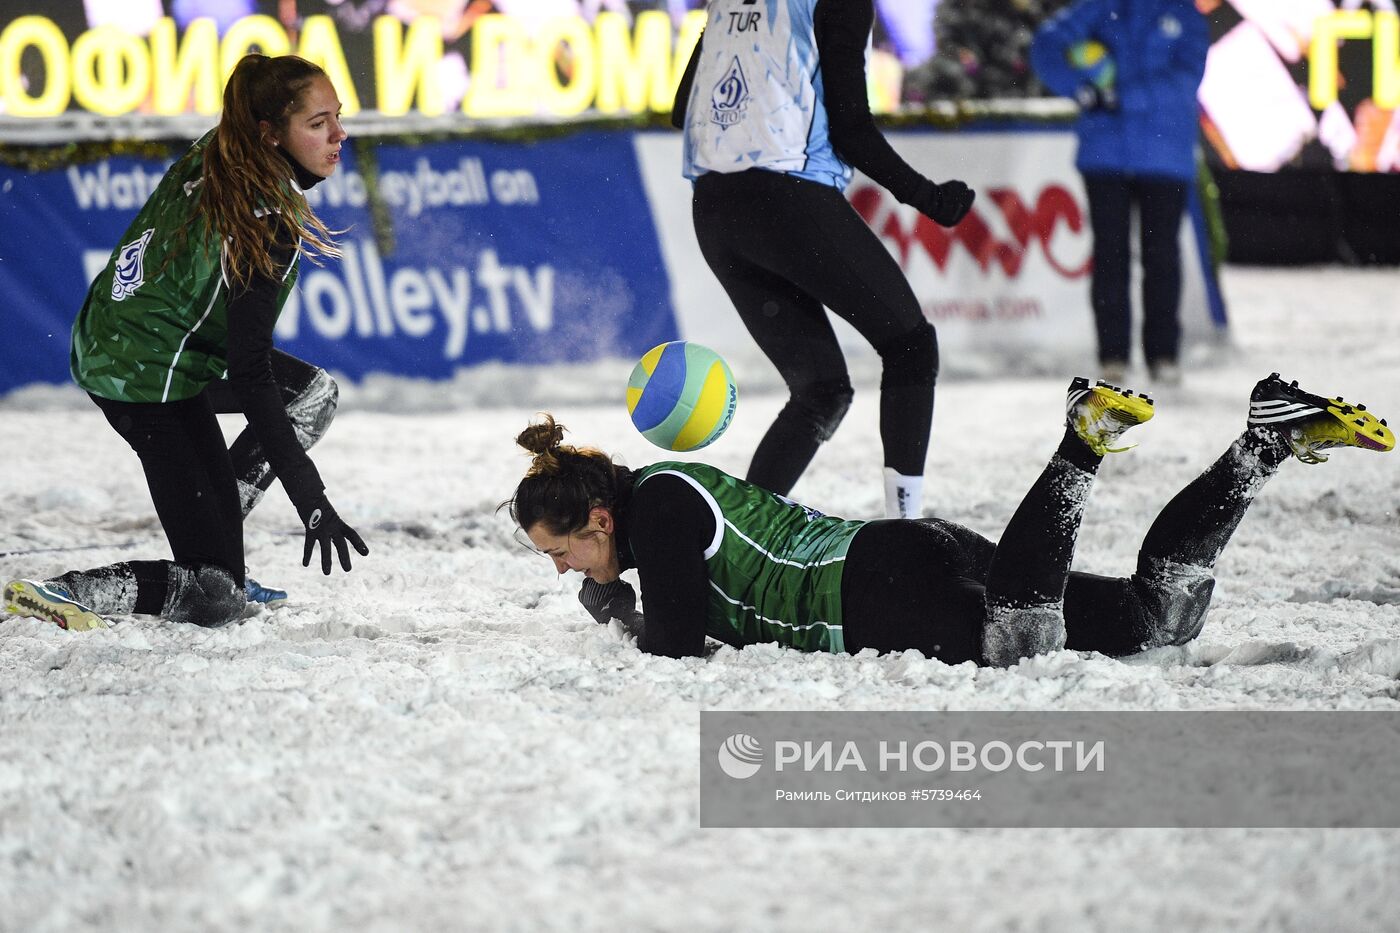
774, 566
154, 325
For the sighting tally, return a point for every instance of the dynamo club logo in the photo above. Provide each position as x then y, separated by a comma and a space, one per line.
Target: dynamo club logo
130, 271
730, 97
740, 756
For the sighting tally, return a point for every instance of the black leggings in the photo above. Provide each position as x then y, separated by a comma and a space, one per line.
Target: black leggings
1160, 203
783, 248
189, 474
928, 584
195, 483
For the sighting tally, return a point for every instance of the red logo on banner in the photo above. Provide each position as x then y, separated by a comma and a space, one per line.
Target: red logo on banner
1054, 206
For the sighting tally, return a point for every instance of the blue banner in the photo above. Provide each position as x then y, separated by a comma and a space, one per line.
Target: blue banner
513, 252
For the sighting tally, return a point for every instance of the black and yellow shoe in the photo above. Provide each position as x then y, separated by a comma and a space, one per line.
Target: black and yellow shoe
1311, 424
1099, 413
52, 603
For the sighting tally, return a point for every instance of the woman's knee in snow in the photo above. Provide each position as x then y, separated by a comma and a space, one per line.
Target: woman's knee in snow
1175, 598
203, 595
313, 409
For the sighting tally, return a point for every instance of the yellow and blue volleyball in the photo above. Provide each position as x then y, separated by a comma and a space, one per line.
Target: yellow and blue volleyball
681, 395
1090, 57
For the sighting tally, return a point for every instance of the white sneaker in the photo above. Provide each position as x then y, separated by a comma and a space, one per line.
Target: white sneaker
1166, 373
1115, 372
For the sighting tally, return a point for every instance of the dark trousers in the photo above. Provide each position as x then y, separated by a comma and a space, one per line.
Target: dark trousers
193, 478
190, 477
1160, 203
783, 248
926, 584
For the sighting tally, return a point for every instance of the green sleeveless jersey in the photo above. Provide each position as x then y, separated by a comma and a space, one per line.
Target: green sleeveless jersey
154, 325
774, 565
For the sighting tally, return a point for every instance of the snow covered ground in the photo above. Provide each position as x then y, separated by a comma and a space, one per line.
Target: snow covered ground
443, 740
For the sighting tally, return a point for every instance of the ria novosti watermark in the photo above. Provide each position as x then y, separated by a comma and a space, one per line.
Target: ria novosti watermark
741, 756
1049, 769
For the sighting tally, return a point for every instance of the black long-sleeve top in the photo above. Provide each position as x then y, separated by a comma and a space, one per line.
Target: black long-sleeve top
252, 315
667, 525
842, 28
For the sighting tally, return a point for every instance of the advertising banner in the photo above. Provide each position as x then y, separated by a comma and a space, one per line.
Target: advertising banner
1289, 83
480, 58
486, 58
487, 251
1013, 277
1008, 288
582, 248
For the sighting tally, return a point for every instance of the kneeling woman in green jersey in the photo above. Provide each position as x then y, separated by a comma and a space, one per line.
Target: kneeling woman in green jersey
191, 296
720, 557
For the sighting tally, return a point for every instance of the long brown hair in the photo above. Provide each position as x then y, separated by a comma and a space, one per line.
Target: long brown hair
563, 482
244, 177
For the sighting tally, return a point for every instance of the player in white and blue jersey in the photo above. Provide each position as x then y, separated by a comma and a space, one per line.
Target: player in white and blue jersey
776, 117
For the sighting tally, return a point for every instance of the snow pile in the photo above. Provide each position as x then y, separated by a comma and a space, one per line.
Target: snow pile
443, 740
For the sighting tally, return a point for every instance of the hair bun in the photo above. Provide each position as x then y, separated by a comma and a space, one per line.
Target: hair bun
543, 437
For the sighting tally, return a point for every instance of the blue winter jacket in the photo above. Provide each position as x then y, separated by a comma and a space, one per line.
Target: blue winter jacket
1159, 50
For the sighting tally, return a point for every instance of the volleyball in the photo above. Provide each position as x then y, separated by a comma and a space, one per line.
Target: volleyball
681, 395
1092, 59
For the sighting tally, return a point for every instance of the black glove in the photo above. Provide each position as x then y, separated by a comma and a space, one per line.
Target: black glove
324, 527
608, 601
1093, 97
946, 204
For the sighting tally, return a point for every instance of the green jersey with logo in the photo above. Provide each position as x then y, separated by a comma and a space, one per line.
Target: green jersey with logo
154, 326
774, 566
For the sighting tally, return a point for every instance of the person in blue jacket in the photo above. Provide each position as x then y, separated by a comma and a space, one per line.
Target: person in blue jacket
1133, 66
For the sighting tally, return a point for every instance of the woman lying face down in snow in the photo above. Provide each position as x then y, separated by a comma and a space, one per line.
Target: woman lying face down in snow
720, 557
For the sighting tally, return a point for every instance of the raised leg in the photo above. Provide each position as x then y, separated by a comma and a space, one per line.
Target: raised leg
1165, 601
1028, 574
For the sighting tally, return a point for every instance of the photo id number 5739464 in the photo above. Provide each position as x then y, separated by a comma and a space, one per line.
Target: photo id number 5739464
934, 794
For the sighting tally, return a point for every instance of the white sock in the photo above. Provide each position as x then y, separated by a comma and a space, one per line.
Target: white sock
904, 495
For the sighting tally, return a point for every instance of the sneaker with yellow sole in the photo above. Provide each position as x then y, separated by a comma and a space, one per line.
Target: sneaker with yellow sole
52, 603
1311, 424
1099, 413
